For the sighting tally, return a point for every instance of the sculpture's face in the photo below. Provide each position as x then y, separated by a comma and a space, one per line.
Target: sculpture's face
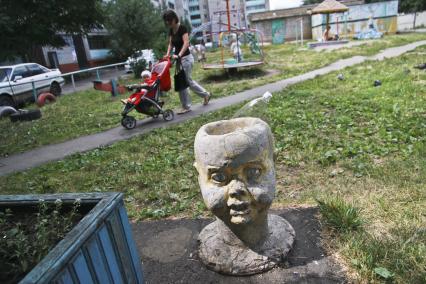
236, 171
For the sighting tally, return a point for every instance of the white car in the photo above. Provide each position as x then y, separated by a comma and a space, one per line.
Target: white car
16, 83
147, 54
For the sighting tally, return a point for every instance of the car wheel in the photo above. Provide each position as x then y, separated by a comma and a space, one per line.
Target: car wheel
55, 89
6, 111
25, 115
6, 101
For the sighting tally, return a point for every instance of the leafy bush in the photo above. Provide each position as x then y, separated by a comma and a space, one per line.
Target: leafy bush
339, 215
138, 67
25, 239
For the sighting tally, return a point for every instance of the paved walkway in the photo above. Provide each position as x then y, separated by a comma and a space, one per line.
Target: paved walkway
36, 157
330, 48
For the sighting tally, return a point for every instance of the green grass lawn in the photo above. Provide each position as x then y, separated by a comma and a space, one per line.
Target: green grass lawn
92, 111
347, 139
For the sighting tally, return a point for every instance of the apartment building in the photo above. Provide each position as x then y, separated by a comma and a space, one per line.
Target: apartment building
182, 9
254, 6
168, 4
199, 14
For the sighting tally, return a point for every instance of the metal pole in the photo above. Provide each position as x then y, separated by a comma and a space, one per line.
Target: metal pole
301, 29
97, 75
73, 83
34, 91
114, 90
229, 15
297, 34
337, 25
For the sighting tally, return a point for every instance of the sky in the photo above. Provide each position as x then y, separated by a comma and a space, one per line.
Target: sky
281, 4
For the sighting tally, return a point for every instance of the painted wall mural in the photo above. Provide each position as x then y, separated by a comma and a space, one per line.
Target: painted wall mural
278, 31
383, 15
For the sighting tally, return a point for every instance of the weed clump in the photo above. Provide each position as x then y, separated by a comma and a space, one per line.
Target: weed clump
340, 215
26, 238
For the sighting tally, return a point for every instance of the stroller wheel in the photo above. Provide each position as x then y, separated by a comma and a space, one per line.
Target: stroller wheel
128, 122
168, 115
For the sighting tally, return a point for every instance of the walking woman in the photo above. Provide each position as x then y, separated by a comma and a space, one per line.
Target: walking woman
179, 39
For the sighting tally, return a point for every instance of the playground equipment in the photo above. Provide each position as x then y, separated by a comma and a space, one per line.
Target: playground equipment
239, 47
329, 7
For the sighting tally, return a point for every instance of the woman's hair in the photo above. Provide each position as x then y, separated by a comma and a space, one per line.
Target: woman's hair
170, 15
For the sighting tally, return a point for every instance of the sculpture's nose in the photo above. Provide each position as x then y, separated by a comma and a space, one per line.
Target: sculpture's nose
237, 189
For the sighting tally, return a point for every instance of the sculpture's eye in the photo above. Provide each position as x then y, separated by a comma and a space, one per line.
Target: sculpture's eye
219, 177
253, 173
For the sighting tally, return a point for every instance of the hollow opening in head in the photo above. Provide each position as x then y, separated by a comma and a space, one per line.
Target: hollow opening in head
226, 127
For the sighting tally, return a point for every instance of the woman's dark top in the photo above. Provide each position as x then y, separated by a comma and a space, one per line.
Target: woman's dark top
177, 40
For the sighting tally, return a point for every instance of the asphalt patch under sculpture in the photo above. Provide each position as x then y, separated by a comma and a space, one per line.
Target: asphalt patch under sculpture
234, 159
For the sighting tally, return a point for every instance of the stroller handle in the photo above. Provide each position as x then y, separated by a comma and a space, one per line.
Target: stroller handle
170, 59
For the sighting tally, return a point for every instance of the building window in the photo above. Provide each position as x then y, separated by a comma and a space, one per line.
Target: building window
98, 42
255, 7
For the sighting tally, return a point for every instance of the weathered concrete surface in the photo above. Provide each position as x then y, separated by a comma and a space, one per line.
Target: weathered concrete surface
330, 48
168, 249
236, 174
49, 153
222, 251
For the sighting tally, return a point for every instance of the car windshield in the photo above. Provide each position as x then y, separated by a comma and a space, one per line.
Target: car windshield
5, 74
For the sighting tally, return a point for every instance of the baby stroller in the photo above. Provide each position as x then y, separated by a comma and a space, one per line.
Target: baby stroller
145, 98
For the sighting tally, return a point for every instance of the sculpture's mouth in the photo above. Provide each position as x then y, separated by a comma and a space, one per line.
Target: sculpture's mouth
239, 213
239, 208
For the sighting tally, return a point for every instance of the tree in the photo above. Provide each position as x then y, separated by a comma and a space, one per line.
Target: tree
135, 25
28, 24
308, 2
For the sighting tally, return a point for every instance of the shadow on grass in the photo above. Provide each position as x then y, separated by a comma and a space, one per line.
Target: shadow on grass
242, 74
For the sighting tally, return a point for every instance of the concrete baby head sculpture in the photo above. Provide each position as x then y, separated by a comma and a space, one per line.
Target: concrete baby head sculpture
234, 159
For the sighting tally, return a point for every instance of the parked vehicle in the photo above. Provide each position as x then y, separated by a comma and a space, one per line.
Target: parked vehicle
16, 86
145, 54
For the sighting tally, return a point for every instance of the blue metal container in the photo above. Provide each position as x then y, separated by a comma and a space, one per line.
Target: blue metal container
99, 249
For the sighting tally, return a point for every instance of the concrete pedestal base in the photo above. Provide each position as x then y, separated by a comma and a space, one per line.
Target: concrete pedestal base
222, 251
169, 253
